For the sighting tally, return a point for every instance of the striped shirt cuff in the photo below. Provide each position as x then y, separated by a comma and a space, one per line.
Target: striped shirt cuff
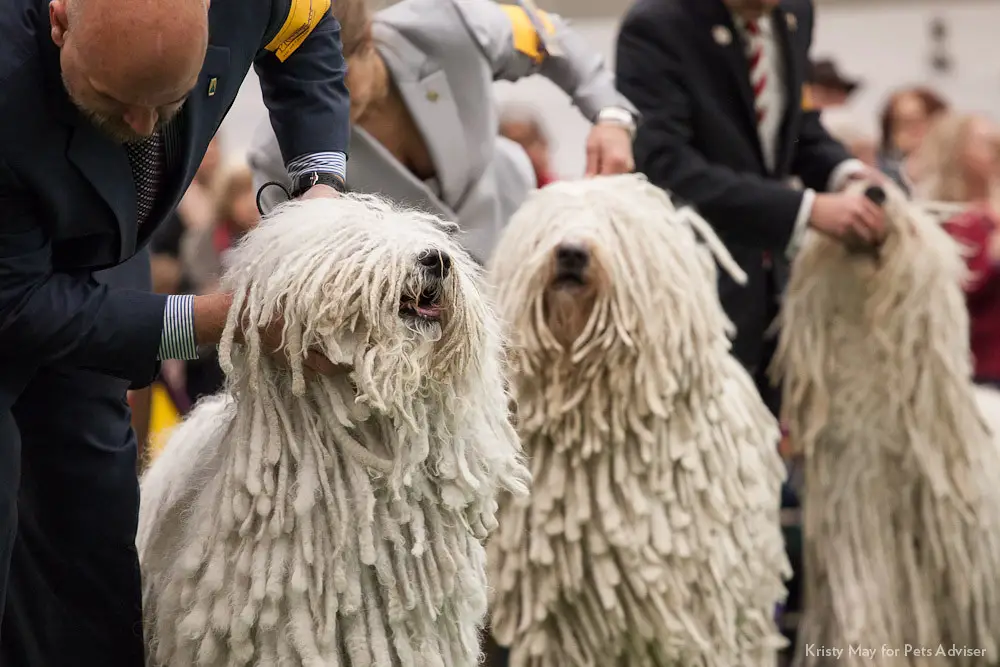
178, 340
327, 163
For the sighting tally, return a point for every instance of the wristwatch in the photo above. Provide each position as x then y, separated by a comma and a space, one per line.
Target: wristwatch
305, 181
619, 116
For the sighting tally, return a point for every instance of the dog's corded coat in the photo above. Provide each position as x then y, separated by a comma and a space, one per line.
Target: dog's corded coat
652, 536
335, 521
902, 486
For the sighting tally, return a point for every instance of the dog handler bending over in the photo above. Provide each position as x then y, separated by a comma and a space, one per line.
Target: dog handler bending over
425, 123
106, 110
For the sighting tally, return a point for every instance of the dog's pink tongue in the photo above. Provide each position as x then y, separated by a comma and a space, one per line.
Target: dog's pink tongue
429, 311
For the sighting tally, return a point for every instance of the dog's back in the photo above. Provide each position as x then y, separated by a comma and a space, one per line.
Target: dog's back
172, 486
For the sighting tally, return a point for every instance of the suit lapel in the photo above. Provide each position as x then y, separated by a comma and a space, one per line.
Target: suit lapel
201, 121
424, 87
101, 161
725, 43
374, 169
785, 30
104, 163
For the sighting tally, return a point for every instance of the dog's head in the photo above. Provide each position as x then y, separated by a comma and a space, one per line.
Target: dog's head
368, 285
602, 258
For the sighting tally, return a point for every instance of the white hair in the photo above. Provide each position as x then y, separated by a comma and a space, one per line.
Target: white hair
902, 490
305, 520
652, 536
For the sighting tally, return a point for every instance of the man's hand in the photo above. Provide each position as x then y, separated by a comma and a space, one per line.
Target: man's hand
609, 150
320, 191
849, 218
210, 313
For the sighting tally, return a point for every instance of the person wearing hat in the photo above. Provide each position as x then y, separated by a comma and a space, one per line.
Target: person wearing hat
827, 87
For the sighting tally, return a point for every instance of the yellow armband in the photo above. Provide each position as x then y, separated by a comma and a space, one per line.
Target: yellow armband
526, 38
303, 15
807, 99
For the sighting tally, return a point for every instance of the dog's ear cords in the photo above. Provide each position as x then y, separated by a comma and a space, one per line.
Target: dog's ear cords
260, 193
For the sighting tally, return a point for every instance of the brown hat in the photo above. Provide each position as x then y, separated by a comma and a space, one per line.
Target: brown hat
825, 73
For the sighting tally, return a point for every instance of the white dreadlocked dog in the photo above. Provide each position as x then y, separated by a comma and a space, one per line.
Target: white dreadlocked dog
336, 521
902, 488
652, 537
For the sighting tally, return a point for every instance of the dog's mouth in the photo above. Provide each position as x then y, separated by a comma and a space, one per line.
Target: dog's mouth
568, 280
425, 307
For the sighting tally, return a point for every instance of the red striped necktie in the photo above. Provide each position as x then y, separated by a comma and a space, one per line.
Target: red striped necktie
758, 72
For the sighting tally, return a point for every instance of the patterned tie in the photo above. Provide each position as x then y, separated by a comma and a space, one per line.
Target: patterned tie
758, 80
147, 160
758, 72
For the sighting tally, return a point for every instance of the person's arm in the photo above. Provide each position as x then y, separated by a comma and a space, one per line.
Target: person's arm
745, 208
264, 158
509, 40
301, 70
59, 318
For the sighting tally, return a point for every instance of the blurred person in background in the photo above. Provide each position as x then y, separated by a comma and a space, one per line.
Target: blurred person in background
197, 213
524, 127
826, 87
847, 131
959, 162
719, 85
235, 213
425, 122
905, 119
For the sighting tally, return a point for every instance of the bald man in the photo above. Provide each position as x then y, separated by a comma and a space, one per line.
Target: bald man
106, 110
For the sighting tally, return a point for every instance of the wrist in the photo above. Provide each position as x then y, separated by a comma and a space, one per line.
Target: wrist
617, 117
304, 182
210, 314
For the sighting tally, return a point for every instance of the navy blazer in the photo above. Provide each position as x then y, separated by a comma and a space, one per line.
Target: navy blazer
67, 198
698, 137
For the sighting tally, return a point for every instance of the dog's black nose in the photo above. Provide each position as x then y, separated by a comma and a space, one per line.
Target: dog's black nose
572, 258
436, 261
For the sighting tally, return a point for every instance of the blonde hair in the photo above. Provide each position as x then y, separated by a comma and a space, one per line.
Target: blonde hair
938, 171
232, 179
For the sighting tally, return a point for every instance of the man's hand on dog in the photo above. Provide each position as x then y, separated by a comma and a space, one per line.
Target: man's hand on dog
210, 313
848, 217
609, 150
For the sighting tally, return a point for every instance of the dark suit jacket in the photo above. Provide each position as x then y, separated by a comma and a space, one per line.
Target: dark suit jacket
698, 137
67, 198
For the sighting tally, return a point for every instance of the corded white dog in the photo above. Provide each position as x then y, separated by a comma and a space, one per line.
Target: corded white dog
902, 488
323, 521
652, 537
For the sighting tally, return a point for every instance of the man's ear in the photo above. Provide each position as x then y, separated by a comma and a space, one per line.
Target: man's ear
58, 21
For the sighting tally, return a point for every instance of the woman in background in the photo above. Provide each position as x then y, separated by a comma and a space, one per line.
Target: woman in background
959, 163
425, 121
905, 120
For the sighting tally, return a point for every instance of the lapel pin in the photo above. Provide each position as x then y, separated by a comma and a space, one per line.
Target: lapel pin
793, 21
722, 35
213, 85
432, 96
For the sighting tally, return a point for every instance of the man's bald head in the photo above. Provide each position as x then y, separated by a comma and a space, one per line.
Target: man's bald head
129, 65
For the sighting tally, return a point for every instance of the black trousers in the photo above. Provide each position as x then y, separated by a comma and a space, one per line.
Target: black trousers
73, 595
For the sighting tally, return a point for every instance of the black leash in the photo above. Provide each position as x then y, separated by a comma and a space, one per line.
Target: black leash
260, 192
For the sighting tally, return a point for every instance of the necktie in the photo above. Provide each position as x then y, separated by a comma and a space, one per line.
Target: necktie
147, 160
758, 72
758, 81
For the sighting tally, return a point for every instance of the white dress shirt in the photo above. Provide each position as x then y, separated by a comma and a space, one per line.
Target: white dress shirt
775, 99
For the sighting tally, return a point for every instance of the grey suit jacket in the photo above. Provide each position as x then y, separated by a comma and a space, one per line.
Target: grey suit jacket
444, 56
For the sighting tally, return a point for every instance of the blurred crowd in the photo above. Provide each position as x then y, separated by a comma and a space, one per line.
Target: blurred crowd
948, 158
